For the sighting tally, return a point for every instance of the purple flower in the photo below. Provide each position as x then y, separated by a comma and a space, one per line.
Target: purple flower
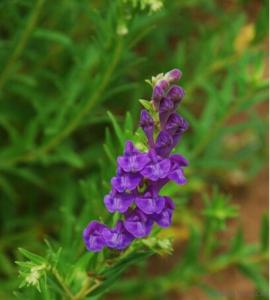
165, 109
173, 75
147, 125
164, 218
92, 236
183, 126
176, 93
138, 224
158, 167
177, 173
158, 93
126, 181
117, 237
163, 84
150, 203
174, 123
115, 201
132, 160
163, 144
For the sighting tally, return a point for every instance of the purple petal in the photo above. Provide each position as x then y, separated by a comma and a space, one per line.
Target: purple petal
118, 237
138, 224
176, 93
158, 93
165, 109
173, 75
147, 124
150, 204
163, 84
164, 144
92, 236
133, 163
125, 182
179, 160
118, 202
178, 176
174, 122
164, 218
157, 170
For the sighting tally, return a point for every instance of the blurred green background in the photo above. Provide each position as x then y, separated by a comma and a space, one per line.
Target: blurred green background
64, 64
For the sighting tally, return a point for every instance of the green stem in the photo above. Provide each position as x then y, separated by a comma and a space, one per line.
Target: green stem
86, 290
21, 43
62, 283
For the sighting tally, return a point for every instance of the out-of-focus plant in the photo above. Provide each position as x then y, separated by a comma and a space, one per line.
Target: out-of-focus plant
63, 65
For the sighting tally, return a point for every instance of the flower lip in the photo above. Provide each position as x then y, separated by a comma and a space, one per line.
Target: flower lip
138, 224
117, 237
92, 236
126, 181
158, 168
164, 218
150, 203
116, 201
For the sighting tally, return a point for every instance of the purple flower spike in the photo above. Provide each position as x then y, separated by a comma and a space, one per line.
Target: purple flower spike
115, 201
165, 109
140, 175
138, 224
133, 160
92, 236
164, 218
176, 93
173, 75
158, 168
164, 144
118, 237
147, 125
126, 181
150, 203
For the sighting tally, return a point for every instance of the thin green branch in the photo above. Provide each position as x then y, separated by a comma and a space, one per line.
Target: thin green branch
30, 25
62, 283
74, 123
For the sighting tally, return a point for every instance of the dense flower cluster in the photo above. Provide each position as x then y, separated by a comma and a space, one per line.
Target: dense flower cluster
140, 176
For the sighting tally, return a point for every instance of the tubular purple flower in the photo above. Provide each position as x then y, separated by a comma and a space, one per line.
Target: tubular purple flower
138, 224
116, 201
157, 95
147, 125
164, 144
164, 218
173, 75
126, 182
92, 236
133, 160
163, 84
158, 168
150, 203
176, 93
118, 238
165, 110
